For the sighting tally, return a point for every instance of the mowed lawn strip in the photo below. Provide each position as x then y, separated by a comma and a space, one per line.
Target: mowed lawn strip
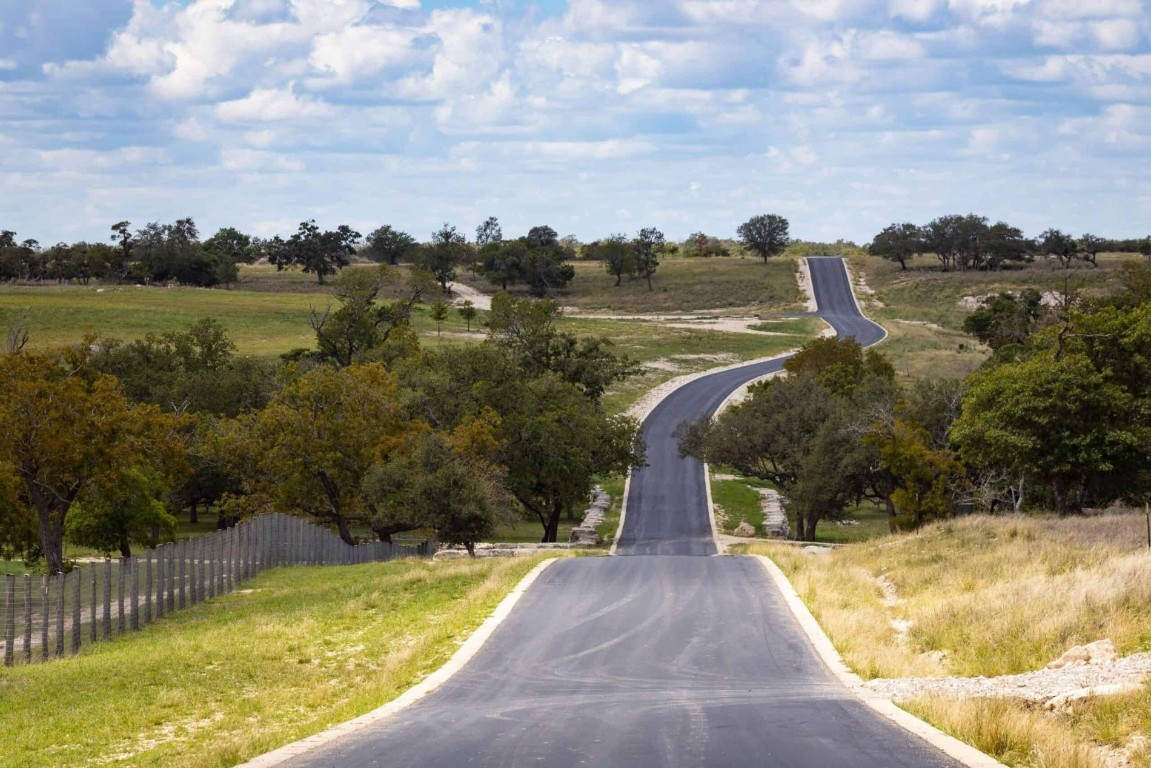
296, 650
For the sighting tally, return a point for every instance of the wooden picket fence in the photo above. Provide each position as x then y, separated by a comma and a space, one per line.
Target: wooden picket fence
47, 617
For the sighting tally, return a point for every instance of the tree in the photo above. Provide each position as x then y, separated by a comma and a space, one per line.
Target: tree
765, 235
1053, 418
898, 242
489, 232
231, 244
468, 312
838, 364
699, 245
361, 323
68, 433
502, 263
438, 312
647, 246
1145, 246
447, 249
527, 330
1003, 243
122, 236
617, 255
1005, 319
129, 512
390, 246
923, 476
1090, 247
1055, 243
309, 451
445, 482
944, 237
314, 251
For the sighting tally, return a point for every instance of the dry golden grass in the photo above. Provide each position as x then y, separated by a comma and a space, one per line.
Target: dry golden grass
995, 595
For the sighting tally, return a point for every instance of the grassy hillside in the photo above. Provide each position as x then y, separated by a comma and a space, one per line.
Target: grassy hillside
296, 651
681, 285
992, 596
922, 309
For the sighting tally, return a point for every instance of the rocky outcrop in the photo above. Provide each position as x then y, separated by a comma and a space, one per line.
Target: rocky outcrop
775, 523
1099, 652
587, 533
744, 530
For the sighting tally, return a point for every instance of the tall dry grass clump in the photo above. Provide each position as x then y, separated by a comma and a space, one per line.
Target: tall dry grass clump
981, 595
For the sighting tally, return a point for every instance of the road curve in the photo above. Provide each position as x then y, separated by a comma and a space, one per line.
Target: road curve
662, 660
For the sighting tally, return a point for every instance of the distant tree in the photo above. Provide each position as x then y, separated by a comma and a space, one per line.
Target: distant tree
386, 245
489, 232
438, 311
122, 236
943, 237
700, 245
1145, 246
899, 243
232, 244
317, 251
838, 364
447, 249
1004, 243
361, 323
765, 235
647, 247
502, 263
468, 312
617, 255
1061, 246
1089, 248
542, 236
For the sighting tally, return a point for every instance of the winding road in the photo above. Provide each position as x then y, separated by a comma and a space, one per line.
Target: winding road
663, 657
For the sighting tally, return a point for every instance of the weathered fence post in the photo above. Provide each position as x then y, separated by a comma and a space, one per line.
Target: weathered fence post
212, 543
134, 575
27, 617
183, 564
9, 619
93, 619
148, 587
194, 566
107, 597
160, 583
78, 593
120, 621
61, 585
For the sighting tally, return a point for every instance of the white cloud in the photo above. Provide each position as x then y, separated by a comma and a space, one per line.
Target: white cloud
258, 160
272, 105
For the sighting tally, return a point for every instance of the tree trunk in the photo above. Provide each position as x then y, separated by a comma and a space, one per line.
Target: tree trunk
891, 512
649, 282
552, 524
345, 532
618, 278
1067, 500
194, 514
903, 265
125, 546
800, 529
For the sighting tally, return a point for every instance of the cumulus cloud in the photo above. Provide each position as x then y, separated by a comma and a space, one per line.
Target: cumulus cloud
507, 108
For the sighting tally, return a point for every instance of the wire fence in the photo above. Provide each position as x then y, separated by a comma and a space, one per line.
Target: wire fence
46, 617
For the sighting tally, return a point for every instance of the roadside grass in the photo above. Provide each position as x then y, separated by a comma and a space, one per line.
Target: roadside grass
298, 650
737, 501
529, 531
680, 285
993, 596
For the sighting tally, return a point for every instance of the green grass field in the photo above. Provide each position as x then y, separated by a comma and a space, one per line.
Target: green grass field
293, 652
680, 285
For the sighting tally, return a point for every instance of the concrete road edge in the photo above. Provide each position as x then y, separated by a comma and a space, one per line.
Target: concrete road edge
949, 745
429, 684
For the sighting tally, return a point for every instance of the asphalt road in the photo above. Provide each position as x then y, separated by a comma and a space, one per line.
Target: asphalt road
664, 660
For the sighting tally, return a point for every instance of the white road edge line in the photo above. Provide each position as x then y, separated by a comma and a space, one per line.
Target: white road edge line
433, 681
949, 745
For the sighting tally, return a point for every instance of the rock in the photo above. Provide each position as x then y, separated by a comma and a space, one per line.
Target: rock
744, 530
1102, 652
1064, 701
813, 549
775, 522
1098, 652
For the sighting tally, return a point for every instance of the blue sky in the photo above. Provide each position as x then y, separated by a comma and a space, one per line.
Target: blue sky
592, 116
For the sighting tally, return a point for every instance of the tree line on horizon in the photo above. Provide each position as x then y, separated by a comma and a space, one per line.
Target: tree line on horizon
971, 241
174, 253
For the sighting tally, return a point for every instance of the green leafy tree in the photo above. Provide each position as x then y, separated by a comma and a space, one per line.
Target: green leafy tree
66, 435
468, 312
231, 244
316, 251
438, 311
130, 512
765, 235
362, 323
1058, 245
647, 246
1005, 319
1053, 418
448, 249
489, 232
387, 245
309, 451
839, 364
502, 263
617, 256
899, 243
1090, 247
